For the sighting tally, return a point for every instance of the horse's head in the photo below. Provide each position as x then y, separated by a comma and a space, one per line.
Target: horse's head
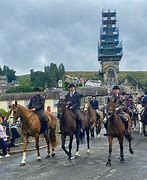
111, 106
61, 108
14, 110
86, 106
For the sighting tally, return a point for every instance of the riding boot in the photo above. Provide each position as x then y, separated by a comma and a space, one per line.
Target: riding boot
80, 126
45, 127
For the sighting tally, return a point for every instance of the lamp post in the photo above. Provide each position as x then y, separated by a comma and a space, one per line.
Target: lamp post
60, 85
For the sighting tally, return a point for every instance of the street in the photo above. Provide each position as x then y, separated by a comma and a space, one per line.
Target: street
86, 167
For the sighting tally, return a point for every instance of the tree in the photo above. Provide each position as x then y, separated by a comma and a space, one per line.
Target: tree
10, 73
53, 75
32, 75
61, 72
1, 71
38, 79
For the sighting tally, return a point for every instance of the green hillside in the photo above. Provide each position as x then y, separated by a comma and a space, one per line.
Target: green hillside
139, 76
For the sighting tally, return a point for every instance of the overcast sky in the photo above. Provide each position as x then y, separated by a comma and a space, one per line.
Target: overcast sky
34, 33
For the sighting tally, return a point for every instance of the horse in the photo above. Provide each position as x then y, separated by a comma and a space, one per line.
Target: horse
144, 120
116, 128
31, 126
96, 118
68, 127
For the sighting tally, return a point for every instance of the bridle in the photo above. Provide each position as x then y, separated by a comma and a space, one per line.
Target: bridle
22, 119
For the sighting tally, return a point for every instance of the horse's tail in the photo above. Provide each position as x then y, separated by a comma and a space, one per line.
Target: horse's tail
52, 129
53, 138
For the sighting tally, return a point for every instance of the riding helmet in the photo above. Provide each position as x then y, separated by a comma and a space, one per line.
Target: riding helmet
71, 85
116, 87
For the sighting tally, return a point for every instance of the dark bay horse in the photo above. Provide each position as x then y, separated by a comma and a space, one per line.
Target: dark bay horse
116, 128
68, 127
31, 126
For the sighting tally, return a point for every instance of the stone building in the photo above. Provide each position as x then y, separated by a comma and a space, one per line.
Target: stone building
130, 83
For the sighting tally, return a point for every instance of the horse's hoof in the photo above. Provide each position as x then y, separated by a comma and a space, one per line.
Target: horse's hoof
131, 151
53, 154
47, 156
98, 135
38, 159
122, 160
71, 158
88, 152
22, 164
77, 154
108, 164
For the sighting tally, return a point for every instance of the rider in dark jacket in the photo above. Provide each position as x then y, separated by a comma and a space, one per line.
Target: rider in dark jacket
94, 103
144, 100
73, 99
36, 105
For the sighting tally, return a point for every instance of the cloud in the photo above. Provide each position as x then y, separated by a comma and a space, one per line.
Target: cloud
34, 33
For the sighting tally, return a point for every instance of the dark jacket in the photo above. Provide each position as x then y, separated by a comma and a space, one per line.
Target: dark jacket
74, 101
37, 102
144, 101
94, 103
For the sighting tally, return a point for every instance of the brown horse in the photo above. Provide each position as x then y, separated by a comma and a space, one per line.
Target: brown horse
31, 126
116, 128
94, 118
68, 127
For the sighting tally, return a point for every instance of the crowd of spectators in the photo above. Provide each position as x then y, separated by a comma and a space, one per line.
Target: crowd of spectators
8, 135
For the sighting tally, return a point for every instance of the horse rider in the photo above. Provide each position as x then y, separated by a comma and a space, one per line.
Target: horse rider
144, 100
36, 105
73, 99
94, 103
120, 107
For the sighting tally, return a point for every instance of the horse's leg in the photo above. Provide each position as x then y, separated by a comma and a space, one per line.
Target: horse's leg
37, 147
48, 145
98, 126
63, 138
128, 137
120, 139
25, 143
143, 127
70, 147
87, 137
92, 132
140, 124
110, 140
140, 127
77, 142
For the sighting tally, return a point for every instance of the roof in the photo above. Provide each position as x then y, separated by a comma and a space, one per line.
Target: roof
131, 79
26, 96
